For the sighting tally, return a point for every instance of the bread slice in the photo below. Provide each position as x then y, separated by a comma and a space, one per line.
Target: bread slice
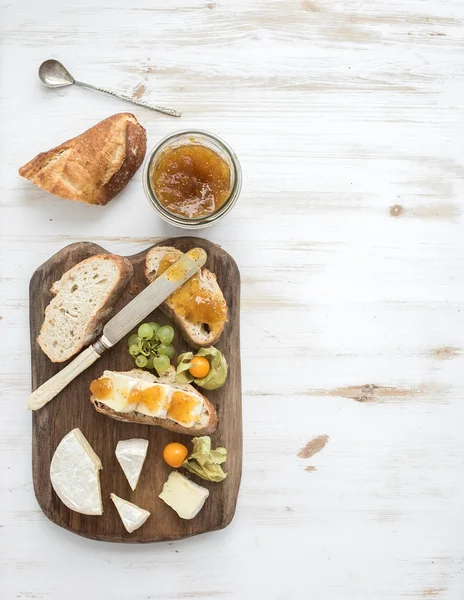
94, 166
205, 426
200, 289
84, 298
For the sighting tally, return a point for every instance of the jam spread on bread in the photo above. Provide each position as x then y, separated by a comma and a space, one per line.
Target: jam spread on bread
191, 180
182, 407
101, 388
153, 398
192, 302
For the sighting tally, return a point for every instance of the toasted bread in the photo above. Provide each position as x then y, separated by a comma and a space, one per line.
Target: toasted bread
202, 289
84, 299
208, 419
94, 166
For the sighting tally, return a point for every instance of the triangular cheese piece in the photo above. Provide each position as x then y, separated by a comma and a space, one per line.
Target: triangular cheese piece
131, 455
131, 515
74, 473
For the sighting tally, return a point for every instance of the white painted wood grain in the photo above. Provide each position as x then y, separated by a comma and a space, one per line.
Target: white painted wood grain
339, 111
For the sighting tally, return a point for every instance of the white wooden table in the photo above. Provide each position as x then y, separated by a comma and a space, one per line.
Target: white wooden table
347, 117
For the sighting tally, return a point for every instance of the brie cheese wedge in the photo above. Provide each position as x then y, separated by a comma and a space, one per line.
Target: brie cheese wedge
131, 515
184, 496
74, 473
131, 455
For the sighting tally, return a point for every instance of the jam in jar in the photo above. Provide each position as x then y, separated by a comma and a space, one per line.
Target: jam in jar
191, 180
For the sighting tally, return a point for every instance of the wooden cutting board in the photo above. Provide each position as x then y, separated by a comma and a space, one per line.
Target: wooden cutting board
72, 408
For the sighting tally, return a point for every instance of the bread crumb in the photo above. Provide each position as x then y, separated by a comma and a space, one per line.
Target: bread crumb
134, 289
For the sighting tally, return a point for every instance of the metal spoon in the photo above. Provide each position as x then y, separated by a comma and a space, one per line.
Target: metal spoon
54, 75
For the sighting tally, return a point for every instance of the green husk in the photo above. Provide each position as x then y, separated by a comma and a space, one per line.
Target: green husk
183, 366
205, 462
218, 369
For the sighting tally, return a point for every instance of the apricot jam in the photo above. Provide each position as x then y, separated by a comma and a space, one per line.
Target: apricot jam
101, 388
192, 302
191, 180
154, 398
135, 395
182, 407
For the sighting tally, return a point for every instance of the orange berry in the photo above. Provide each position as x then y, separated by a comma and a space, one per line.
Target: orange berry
200, 367
174, 454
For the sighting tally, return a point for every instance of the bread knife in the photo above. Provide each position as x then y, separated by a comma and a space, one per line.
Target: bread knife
121, 324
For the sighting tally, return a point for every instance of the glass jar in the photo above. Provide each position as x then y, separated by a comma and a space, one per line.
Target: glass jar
202, 138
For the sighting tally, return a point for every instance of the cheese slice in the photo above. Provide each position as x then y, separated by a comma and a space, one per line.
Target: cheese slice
74, 473
131, 455
184, 496
120, 399
131, 515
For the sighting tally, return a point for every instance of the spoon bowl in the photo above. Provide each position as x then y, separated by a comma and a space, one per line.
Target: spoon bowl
55, 75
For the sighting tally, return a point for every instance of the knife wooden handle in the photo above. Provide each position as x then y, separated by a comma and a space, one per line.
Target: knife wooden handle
58, 382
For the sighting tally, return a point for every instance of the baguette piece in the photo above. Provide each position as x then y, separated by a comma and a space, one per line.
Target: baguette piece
94, 166
205, 426
84, 299
198, 307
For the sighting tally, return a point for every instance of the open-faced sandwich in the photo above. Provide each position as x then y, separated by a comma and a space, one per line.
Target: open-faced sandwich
198, 307
139, 397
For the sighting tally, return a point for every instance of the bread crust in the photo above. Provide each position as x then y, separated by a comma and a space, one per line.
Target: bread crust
207, 429
94, 166
98, 321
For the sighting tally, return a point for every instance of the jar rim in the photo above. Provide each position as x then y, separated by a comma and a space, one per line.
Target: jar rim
206, 220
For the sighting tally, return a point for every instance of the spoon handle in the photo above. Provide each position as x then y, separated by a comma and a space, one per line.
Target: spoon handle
157, 107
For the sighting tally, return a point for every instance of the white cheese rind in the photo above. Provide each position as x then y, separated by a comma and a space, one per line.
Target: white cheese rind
74, 473
131, 515
131, 455
184, 496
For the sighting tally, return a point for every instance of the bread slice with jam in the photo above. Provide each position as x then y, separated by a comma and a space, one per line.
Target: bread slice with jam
138, 396
198, 307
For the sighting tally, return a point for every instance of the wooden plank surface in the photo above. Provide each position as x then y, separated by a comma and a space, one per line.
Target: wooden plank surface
339, 111
72, 408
